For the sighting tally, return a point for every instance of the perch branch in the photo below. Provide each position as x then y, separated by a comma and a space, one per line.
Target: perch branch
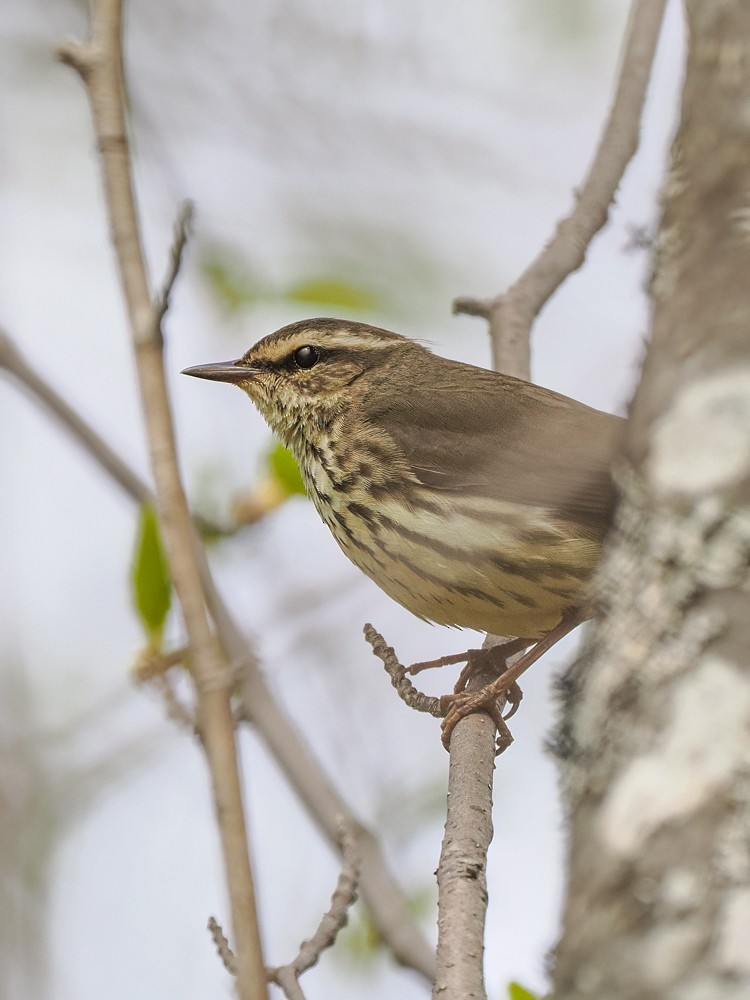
462, 895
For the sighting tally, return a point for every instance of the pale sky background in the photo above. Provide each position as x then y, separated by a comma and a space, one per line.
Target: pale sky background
423, 150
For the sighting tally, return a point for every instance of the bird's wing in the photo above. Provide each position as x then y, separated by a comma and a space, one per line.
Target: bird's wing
507, 439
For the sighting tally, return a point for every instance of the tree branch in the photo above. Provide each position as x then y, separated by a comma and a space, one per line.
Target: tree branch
461, 874
16, 364
332, 921
511, 314
99, 63
179, 242
406, 691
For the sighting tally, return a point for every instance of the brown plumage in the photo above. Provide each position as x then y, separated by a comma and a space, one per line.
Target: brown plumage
472, 498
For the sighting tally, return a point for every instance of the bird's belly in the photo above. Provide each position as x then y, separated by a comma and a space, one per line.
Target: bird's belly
495, 567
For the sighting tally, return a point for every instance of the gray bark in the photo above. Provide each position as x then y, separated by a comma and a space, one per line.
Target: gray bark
656, 734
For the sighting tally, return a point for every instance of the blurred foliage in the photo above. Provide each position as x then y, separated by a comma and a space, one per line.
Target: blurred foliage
517, 992
562, 25
332, 292
282, 466
152, 586
280, 480
360, 941
234, 286
229, 283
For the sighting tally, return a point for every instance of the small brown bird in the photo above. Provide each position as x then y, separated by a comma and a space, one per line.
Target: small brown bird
470, 497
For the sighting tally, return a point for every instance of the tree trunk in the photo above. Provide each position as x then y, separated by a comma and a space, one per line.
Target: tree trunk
656, 733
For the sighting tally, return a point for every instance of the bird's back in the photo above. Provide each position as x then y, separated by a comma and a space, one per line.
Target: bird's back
483, 508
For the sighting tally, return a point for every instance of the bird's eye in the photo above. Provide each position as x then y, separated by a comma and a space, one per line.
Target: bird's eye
306, 357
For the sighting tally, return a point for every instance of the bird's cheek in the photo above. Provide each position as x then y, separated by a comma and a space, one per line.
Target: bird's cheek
354, 372
261, 394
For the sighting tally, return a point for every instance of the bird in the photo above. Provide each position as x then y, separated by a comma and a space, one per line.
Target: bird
472, 498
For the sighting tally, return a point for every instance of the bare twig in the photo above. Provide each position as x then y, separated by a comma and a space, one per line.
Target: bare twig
174, 708
335, 918
16, 364
152, 663
99, 63
223, 949
289, 984
385, 899
414, 698
179, 242
511, 314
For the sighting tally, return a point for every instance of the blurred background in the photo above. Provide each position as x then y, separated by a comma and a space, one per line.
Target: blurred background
371, 160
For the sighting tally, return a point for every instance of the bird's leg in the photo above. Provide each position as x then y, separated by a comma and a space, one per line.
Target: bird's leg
441, 661
463, 703
475, 659
492, 659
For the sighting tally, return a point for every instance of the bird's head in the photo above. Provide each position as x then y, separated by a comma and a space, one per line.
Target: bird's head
307, 372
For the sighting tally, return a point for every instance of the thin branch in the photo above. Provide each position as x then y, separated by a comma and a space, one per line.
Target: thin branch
462, 879
16, 364
174, 708
223, 948
182, 231
385, 898
99, 63
414, 698
461, 874
333, 920
511, 314
289, 984
462, 883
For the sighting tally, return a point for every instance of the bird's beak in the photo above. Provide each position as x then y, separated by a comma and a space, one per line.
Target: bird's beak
224, 371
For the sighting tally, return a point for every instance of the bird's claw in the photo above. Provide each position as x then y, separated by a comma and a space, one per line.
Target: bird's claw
490, 699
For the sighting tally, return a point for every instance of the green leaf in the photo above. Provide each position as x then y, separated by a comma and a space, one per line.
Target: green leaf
152, 586
332, 292
360, 940
518, 992
283, 468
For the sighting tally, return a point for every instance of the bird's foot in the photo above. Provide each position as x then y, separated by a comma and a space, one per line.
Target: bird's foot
500, 698
493, 660
504, 689
442, 661
479, 665
492, 699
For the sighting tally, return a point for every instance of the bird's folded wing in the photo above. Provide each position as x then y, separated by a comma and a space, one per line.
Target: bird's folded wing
510, 440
